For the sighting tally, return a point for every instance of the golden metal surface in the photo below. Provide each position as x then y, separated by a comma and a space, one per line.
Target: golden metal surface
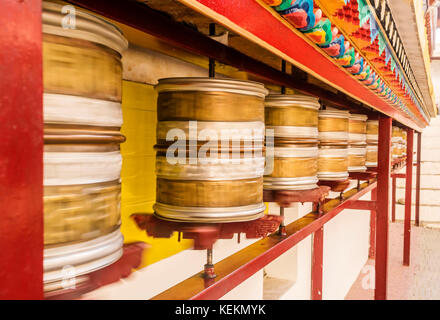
332, 124
372, 127
227, 193
336, 164
291, 116
209, 106
81, 68
80, 212
357, 126
294, 167
356, 160
371, 156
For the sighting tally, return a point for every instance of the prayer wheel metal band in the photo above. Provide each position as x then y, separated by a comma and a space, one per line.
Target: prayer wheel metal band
66, 62
295, 116
210, 99
221, 169
372, 127
294, 167
371, 158
226, 193
333, 163
75, 213
81, 258
209, 215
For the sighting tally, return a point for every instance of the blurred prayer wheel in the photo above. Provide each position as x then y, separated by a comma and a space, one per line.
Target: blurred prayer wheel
357, 158
333, 163
371, 160
372, 142
333, 127
357, 151
82, 75
209, 160
372, 132
294, 121
333, 145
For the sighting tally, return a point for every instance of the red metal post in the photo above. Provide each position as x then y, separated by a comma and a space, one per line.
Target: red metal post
419, 158
408, 190
317, 261
382, 211
21, 150
393, 199
372, 251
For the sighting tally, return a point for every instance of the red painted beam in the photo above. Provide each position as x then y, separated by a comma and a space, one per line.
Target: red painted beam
223, 284
419, 158
382, 211
21, 150
317, 264
251, 20
398, 175
408, 190
363, 205
372, 250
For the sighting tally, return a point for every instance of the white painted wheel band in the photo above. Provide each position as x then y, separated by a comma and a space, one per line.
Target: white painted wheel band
67, 168
67, 109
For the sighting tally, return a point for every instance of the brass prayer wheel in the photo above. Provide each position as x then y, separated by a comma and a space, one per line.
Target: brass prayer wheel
357, 129
333, 163
294, 162
209, 152
333, 127
357, 158
357, 151
333, 145
371, 159
82, 76
372, 131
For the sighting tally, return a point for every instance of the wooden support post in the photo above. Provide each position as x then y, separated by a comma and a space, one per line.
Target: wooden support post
21, 150
317, 261
408, 190
371, 253
419, 159
382, 211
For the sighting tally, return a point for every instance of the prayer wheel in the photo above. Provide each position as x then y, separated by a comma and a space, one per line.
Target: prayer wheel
333, 145
82, 76
294, 121
357, 151
209, 152
372, 142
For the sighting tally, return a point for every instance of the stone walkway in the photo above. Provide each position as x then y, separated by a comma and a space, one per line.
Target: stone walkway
421, 280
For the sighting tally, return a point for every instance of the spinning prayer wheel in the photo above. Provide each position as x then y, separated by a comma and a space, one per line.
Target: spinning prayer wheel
357, 151
333, 145
82, 75
294, 121
209, 160
372, 142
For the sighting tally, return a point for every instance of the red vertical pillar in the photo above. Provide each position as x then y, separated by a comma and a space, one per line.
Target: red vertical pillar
317, 261
382, 206
419, 159
372, 251
21, 150
408, 189
393, 199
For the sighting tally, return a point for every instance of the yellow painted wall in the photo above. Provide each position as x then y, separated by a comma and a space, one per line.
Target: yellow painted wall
138, 169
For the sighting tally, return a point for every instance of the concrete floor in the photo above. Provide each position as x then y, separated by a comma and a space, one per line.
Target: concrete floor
421, 280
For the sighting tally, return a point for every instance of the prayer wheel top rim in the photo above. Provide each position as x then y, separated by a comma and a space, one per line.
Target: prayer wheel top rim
285, 100
343, 114
358, 117
211, 84
87, 27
